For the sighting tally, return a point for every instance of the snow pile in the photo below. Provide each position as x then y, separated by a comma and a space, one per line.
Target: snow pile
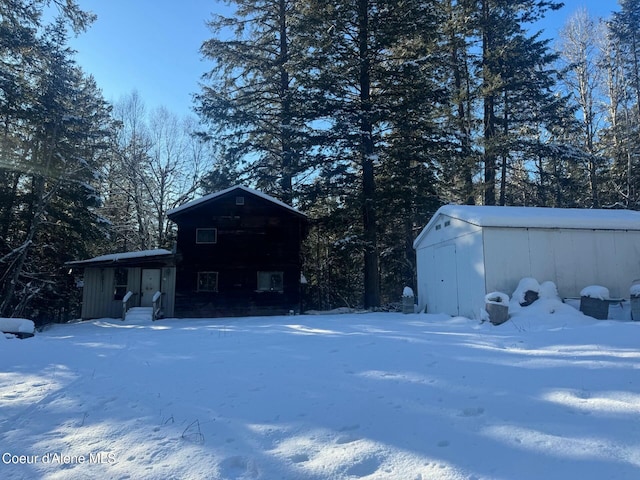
407, 292
547, 303
527, 291
19, 326
595, 291
375, 395
548, 290
634, 291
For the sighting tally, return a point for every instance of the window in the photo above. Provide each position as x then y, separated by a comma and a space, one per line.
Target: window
207, 281
270, 281
206, 235
120, 283
239, 200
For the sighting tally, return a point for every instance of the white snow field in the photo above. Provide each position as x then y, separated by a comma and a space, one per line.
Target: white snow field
551, 394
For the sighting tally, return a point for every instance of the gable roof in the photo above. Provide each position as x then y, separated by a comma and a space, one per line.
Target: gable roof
213, 196
537, 217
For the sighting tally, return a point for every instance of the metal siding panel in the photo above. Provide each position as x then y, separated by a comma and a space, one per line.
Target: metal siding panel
97, 293
506, 258
542, 248
445, 291
563, 255
424, 263
169, 290
471, 274
628, 254
91, 279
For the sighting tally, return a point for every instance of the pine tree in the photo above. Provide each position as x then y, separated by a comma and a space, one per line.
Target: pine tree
625, 91
251, 100
515, 69
55, 126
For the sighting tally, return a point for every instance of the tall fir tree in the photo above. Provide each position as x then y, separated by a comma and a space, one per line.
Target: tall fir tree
251, 100
514, 65
625, 43
56, 124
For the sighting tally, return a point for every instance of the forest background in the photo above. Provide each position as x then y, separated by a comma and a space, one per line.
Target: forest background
367, 115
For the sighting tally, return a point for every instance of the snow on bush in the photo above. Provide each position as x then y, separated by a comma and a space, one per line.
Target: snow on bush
634, 291
497, 298
595, 291
408, 292
548, 289
525, 285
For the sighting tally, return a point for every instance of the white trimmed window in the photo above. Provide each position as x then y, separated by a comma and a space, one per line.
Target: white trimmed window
270, 281
206, 235
207, 281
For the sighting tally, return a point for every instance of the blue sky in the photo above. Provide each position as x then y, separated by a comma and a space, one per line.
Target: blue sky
148, 45
152, 46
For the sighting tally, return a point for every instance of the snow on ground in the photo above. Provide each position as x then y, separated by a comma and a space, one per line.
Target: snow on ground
550, 394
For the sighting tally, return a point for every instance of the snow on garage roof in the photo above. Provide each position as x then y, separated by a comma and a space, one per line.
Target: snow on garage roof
211, 196
537, 217
118, 257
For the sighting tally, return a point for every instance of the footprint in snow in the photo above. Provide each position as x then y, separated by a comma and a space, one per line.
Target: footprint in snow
471, 412
342, 439
299, 458
364, 468
238, 467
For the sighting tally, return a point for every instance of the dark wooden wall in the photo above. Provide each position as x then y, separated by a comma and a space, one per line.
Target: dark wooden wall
257, 236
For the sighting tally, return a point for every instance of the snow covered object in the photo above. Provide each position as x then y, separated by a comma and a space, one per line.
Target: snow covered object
594, 301
527, 291
634, 295
408, 300
19, 327
497, 307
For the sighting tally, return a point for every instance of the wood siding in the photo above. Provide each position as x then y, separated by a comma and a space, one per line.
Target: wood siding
252, 235
98, 292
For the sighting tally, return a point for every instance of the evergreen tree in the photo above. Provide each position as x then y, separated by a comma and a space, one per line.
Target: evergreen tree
516, 78
55, 126
348, 40
251, 99
624, 67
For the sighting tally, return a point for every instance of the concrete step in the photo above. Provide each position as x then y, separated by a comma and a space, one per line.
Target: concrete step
139, 314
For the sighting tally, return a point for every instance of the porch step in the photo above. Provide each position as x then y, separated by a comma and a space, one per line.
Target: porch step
139, 315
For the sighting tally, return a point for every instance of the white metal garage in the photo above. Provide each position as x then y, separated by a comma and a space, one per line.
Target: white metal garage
465, 252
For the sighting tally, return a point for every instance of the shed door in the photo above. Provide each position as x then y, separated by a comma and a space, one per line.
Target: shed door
446, 280
150, 284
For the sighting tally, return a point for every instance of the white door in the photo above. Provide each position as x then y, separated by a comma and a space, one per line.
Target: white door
446, 280
150, 284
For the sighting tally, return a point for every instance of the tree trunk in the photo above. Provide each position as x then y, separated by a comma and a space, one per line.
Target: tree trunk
371, 275
489, 119
286, 182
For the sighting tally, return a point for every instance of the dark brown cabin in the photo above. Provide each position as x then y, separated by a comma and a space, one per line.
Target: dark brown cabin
237, 254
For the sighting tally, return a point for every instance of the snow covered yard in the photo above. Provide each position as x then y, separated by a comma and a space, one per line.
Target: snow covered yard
377, 396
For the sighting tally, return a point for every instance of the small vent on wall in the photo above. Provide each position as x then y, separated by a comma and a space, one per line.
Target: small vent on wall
239, 200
